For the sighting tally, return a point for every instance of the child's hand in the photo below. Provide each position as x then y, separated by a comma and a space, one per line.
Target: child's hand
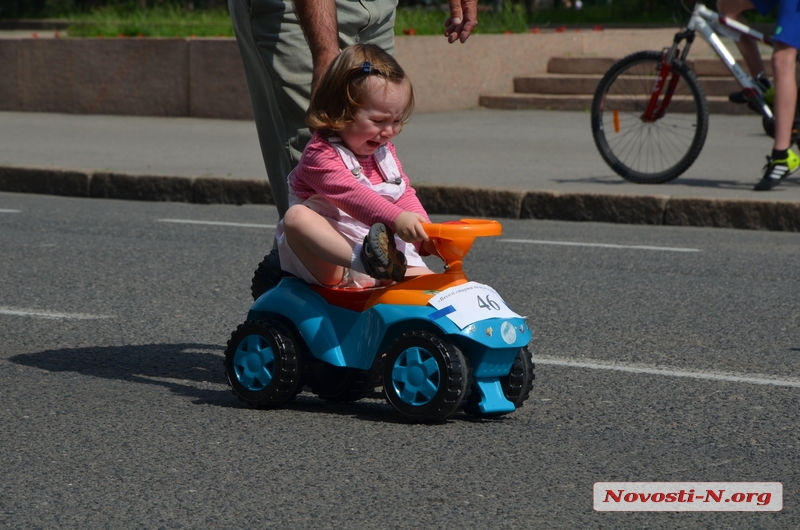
408, 227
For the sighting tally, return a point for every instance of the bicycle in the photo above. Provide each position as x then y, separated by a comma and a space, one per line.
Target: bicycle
656, 107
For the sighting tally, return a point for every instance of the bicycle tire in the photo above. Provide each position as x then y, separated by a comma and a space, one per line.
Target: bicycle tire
642, 152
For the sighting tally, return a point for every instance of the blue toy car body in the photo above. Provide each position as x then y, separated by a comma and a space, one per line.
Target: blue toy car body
342, 343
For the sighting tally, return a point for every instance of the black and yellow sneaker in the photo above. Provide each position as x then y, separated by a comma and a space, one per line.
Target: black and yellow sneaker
777, 170
380, 256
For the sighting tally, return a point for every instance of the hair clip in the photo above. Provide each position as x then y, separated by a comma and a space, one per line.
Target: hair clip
366, 67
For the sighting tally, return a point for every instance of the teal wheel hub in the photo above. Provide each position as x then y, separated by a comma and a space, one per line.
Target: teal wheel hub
416, 376
254, 363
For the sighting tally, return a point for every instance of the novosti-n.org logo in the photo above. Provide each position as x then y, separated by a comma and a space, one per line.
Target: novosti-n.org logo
688, 496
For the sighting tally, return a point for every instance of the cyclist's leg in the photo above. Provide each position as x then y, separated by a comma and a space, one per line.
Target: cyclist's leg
747, 46
784, 66
783, 161
784, 56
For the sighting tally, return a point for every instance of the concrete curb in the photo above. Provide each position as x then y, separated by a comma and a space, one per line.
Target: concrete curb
437, 199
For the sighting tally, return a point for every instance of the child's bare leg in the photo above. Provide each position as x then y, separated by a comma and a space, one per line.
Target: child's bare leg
417, 271
321, 248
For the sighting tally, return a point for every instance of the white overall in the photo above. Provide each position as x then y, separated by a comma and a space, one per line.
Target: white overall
393, 187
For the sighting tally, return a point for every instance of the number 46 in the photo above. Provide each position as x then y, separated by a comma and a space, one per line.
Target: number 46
488, 304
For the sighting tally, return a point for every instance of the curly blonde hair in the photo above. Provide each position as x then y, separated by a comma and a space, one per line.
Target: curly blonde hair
343, 87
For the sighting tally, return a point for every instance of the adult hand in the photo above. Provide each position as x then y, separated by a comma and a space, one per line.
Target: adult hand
463, 19
408, 227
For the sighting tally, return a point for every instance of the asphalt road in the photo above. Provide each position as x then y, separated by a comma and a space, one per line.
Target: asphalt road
663, 354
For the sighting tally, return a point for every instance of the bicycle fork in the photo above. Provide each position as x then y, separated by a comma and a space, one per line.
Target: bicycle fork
654, 110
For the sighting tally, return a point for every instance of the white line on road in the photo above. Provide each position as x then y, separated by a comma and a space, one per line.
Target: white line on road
601, 245
215, 223
754, 379
46, 314
6, 210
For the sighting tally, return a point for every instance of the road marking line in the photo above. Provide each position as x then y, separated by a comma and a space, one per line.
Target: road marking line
46, 314
601, 245
215, 223
755, 379
6, 210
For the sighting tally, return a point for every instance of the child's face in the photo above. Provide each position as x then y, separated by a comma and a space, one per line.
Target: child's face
378, 120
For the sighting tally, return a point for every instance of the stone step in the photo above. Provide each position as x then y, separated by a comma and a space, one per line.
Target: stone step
570, 82
583, 102
703, 66
585, 84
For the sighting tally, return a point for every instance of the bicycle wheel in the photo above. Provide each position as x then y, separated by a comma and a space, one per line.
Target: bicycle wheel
648, 152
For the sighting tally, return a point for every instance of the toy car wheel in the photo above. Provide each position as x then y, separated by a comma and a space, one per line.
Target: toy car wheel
340, 384
424, 377
262, 363
517, 385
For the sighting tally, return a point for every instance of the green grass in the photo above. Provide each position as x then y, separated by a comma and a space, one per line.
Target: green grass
513, 19
159, 22
431, 21
172, 21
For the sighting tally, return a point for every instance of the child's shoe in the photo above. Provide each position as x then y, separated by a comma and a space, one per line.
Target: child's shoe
380, 256
777, 170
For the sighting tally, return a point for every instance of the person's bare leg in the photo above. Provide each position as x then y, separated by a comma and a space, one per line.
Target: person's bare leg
417, 271
783, 66
747, 46
322, 249
783, 161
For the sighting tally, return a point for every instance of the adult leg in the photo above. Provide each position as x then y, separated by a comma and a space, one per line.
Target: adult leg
277, 65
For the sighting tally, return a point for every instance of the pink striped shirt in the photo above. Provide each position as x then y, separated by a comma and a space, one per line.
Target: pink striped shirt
322, 171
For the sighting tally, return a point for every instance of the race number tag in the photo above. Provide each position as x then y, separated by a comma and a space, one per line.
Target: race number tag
471, 302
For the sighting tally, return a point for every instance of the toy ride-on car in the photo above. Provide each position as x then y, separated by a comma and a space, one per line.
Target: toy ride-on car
437, 343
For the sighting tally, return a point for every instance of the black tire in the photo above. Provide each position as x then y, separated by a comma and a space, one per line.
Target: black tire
262, 363
517, 385
339, 384
267, 274
641, 152
424, 377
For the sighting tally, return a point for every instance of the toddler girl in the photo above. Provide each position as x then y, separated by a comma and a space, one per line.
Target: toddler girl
348, 195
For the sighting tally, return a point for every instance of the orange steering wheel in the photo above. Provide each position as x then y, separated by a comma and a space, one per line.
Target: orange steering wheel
453, 239
463, 228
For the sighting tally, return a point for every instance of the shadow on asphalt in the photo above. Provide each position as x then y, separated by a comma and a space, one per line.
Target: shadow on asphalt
173, 366
180, 368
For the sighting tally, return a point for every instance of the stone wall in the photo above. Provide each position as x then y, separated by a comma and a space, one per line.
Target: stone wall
204, 77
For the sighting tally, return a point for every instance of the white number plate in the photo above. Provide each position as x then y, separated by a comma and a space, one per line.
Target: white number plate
471, 302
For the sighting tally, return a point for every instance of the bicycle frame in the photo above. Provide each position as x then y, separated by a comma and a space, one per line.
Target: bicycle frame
708, 24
